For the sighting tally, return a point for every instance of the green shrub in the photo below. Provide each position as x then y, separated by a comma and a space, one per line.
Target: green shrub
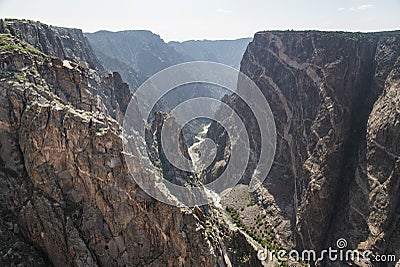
269, 242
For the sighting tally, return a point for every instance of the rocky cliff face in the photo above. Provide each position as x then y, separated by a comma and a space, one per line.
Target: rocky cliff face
334, 97
60, 42
67, 197
370, 217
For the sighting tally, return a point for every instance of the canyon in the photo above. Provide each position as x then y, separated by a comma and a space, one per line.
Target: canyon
68, 199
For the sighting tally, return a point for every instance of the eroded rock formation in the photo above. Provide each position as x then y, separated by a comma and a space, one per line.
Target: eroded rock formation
68, 199
67, 196
334, 97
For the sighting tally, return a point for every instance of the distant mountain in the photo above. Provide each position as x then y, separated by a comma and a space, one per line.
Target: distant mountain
228, 52
137, 55
128, 73
142, 51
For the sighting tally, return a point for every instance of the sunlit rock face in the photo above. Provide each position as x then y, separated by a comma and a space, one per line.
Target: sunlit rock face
67, 197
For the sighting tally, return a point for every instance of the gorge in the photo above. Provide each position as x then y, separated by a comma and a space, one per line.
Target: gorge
67, 196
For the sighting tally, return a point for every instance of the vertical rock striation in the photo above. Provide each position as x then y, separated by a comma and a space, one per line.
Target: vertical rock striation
334, 99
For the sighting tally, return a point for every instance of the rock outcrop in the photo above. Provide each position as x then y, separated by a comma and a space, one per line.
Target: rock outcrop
67, 197
64, 43
334, 97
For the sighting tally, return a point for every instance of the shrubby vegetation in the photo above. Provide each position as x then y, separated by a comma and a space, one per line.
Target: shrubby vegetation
9, 43
269, 242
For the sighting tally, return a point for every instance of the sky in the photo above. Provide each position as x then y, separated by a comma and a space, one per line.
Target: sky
179, 20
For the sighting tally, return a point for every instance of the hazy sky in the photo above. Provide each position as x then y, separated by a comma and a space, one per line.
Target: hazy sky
209, 19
